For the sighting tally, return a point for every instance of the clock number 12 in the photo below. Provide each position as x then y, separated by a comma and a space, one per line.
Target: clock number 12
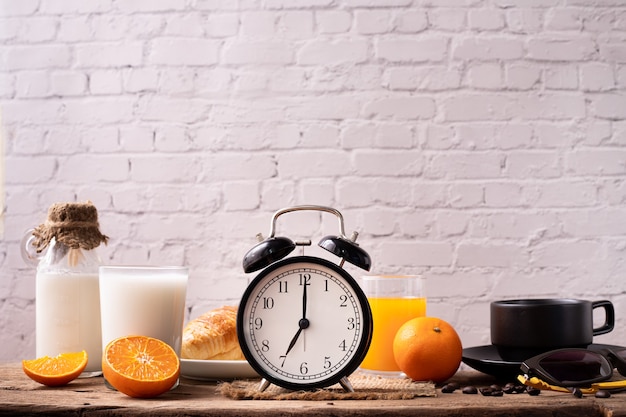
305, 279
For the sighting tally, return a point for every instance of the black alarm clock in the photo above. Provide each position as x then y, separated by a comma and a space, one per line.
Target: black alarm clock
303, 322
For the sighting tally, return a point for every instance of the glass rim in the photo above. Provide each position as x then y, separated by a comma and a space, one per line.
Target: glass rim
143, 268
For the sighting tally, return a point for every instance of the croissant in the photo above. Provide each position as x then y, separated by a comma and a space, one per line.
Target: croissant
212, 336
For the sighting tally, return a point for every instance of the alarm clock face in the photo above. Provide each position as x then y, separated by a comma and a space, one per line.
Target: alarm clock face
304, 323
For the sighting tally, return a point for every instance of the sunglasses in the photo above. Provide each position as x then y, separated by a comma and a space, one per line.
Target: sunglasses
577, 367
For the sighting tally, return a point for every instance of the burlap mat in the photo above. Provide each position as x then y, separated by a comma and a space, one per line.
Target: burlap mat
366, 387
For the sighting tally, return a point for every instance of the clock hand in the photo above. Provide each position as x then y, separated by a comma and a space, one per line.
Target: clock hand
293, 341
303, 323
304, 303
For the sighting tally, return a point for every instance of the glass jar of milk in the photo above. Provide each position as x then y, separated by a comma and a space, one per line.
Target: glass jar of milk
67, 298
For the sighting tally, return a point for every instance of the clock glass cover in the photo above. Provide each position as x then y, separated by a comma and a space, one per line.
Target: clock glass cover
304, 323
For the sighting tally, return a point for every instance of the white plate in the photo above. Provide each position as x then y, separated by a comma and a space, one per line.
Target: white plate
216, 370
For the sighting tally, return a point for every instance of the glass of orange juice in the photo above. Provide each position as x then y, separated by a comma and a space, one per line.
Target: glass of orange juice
394, 300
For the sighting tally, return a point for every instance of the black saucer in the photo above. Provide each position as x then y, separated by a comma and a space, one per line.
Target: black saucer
489, 360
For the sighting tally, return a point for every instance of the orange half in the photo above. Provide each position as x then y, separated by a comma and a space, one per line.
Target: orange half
56, 371
140, 366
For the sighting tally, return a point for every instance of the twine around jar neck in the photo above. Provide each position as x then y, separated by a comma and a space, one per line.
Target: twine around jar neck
73, 224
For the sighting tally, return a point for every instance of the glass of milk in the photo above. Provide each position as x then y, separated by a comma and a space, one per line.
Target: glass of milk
144, 301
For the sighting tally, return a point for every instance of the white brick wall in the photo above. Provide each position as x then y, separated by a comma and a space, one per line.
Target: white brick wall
481, 143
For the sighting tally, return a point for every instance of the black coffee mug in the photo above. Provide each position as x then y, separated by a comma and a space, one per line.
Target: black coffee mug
544, 324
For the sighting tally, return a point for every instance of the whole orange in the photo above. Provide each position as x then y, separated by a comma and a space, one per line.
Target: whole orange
427, 349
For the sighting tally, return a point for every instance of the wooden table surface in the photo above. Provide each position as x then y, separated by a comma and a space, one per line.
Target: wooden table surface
89, 397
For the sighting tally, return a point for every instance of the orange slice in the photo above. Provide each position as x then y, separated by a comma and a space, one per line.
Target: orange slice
56, 371
140, 366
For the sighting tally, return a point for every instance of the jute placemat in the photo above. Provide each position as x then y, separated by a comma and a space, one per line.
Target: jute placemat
366, 387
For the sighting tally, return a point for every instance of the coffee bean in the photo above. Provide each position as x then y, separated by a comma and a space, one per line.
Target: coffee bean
454, 385
520, 388
447, 389
576, 392
492, 391
603, 394
509, 388
470, 390
533, 391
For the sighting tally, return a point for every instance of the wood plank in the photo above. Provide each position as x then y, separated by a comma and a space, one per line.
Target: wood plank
89, 397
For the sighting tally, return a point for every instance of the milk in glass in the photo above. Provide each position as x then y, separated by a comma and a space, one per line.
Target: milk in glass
68, 316
144, 301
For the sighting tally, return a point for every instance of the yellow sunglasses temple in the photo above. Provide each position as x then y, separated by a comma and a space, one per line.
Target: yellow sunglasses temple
540, 384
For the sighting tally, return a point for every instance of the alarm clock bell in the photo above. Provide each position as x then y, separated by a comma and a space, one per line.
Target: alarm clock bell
275, 248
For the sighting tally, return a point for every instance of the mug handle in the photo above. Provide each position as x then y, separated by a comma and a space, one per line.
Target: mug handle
609, 312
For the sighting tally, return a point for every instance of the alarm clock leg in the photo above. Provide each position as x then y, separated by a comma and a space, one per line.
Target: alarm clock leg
264, 384
345, 383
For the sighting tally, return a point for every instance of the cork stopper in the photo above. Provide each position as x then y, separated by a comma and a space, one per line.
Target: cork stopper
73, 224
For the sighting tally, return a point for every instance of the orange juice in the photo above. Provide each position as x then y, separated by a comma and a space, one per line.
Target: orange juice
389, 314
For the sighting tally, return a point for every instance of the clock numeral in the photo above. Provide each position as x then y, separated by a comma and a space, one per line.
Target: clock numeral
282, 287
325, 285
282, 360
305, 279
351, 324
268, 303
343, 345
304, 368
327, 363
344, 300
258, 323
265, 345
